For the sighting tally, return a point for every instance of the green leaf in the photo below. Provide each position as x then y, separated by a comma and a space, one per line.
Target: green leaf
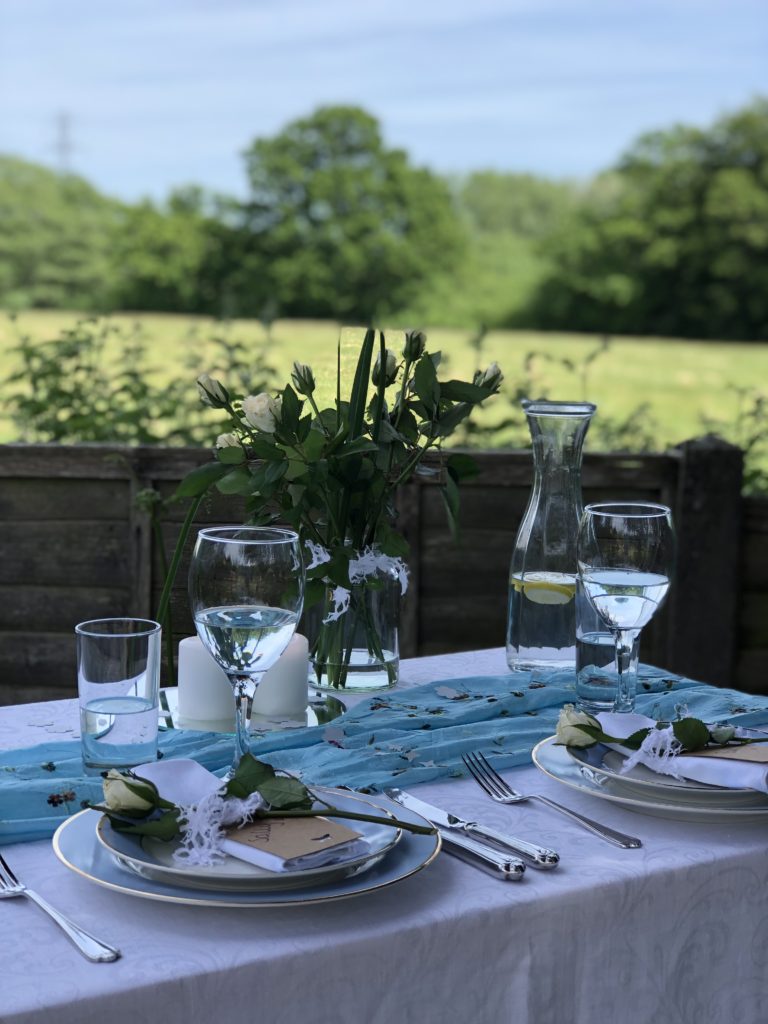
450, 493
262, 449
304, 427
200, 480
290, 410
249, 776
166, 827
231, 456
284, 793
426, 384
452, 417
692, 733
462, 466
237, 481
463, 391
357, 400
358, 446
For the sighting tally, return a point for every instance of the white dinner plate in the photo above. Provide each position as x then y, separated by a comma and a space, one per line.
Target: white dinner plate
555, 761
77, 847
152, 858
602, 763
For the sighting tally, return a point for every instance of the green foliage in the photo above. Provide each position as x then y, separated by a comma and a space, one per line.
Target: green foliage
333, 473
55, 243
505, 217
346, 227
94, 383
673, 242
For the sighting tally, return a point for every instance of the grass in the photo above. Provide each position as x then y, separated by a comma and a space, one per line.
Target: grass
684, 383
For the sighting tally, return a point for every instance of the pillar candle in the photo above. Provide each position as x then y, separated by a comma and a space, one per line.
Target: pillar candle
205, 693
283, 689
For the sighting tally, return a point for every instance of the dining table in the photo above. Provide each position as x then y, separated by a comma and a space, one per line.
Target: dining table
672, 932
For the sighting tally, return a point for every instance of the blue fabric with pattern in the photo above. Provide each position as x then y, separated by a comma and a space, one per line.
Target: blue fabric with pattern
401, 737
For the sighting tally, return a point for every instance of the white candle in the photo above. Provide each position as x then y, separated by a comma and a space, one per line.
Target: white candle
205, 693
283, 689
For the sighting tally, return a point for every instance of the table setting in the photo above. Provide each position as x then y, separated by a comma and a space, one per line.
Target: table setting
305, 825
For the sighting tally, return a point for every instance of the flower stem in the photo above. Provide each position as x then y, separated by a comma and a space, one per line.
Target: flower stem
334, 812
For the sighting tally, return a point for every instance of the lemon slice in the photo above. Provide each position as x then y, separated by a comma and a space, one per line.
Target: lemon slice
546, 587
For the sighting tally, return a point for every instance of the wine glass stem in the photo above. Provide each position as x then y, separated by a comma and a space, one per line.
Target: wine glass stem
244, 689
626, 669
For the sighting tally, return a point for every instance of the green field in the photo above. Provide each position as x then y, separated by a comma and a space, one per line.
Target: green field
686, 385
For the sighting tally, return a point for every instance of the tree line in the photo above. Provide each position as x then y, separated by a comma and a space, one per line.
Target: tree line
335, 224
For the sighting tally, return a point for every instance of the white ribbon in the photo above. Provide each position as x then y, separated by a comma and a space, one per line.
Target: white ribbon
363, 566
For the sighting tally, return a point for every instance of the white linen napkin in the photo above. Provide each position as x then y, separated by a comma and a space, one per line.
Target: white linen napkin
730, 774
187, 784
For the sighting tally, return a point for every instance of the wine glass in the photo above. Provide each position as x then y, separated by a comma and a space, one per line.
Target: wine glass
246, 592
626, 554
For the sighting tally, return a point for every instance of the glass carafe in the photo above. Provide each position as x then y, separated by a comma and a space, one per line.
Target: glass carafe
541, 616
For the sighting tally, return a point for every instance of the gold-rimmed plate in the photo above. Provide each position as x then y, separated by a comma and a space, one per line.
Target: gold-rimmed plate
76, 846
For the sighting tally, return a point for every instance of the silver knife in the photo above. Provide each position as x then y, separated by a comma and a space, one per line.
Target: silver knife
534, 856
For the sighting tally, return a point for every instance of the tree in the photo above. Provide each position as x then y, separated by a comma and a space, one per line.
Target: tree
340, 225
56, 239
158, 254
674, 241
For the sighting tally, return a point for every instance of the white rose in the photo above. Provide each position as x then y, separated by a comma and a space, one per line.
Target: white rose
227, 441
212, 392
128, 796
262, 411
568, 732
722, 733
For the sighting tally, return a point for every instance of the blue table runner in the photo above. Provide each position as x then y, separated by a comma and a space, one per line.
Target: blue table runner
401, 737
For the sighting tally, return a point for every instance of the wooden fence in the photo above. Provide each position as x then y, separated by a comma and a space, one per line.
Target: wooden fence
78, 542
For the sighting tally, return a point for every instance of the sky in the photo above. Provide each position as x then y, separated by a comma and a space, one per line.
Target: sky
142, 96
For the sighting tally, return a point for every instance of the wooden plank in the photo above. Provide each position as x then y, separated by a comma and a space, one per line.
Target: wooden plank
58, 608
37, 663
76, 553
31, 500
703, 601
751, 674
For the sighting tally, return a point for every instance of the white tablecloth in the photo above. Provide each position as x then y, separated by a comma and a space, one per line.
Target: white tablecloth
673, 933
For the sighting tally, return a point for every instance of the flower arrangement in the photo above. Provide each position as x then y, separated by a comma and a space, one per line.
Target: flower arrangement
333, 475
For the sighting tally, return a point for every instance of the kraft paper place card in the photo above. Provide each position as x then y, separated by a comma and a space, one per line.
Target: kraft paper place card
289, 838
755, 753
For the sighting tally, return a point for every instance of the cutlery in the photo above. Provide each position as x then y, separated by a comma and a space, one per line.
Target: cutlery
493, 862
90, 947
532, 855
497, 789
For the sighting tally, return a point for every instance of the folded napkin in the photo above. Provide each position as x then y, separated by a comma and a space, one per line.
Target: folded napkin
187, 784
714, 771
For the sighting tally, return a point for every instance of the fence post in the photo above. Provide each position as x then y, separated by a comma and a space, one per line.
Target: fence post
704, 598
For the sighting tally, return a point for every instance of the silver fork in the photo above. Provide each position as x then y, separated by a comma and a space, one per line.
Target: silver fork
89, 946
500, 791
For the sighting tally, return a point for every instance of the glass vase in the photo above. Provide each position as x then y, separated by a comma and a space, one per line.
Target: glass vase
353, 636
541, 619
